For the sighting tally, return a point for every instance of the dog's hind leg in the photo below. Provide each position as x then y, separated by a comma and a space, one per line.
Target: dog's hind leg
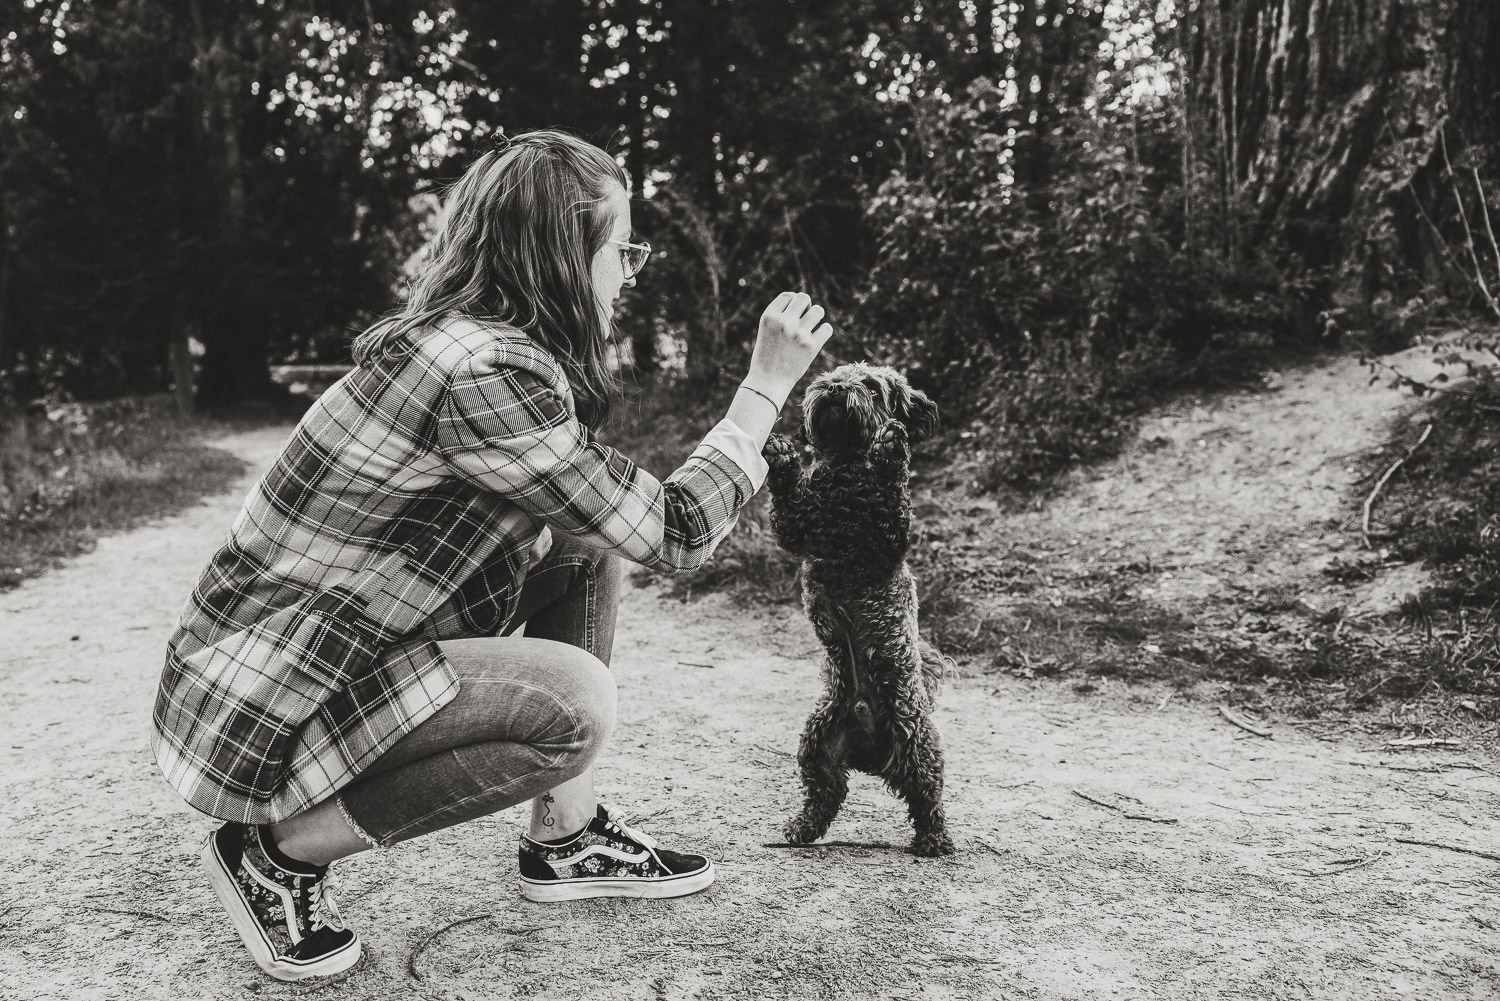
825, 775
916, 775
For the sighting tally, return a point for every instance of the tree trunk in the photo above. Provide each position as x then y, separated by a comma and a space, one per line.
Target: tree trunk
635, 102
7, 340
696, 30
989, 34
705, 353
234, 338
695, 26
1186, 126
1319, 121
183, 378
635, 106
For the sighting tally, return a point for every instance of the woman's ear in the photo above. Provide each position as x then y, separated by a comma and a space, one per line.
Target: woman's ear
916, 410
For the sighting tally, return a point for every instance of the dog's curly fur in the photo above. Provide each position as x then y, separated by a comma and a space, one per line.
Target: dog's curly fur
847, 515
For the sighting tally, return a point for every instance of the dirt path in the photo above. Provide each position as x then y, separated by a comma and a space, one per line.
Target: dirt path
1119, 845
1233, 495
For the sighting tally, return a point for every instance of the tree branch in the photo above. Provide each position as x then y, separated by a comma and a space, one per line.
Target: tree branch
1370, 500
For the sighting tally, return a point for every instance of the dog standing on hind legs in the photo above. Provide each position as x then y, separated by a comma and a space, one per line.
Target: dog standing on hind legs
848, 517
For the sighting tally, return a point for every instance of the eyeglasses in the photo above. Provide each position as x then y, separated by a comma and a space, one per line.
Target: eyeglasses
633, 256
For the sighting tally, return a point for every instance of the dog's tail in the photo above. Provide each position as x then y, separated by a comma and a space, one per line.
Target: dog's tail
936, 666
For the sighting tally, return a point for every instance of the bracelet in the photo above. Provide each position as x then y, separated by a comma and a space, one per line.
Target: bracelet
763, 396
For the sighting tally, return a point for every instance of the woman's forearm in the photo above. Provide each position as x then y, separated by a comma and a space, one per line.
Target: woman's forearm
755, 409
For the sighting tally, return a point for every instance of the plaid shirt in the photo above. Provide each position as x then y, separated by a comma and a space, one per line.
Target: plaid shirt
404, 510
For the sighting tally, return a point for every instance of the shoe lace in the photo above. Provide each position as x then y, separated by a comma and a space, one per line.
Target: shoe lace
617, 824
324, 911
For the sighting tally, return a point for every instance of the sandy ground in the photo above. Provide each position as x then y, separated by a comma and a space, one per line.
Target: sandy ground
1117, 845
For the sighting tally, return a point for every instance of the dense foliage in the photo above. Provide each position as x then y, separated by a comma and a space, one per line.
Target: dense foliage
176, 173
1046, 210
1046, 312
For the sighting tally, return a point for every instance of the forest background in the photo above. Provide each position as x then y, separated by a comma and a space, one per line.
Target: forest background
1049, 213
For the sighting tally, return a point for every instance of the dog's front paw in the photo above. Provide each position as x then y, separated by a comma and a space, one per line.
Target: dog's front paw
890, 445
779, 448
931, 845
800, 831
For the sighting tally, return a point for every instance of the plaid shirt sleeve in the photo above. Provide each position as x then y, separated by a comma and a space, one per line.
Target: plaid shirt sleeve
510, 428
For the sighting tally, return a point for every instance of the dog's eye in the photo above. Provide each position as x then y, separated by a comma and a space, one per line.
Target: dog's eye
876, 388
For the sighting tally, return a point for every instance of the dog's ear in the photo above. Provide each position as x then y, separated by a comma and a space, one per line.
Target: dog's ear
917, 411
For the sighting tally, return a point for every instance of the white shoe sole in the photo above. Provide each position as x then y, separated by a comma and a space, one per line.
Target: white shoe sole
549, 891
240, 915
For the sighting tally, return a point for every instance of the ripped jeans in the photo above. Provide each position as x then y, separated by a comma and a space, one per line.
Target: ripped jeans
532, 711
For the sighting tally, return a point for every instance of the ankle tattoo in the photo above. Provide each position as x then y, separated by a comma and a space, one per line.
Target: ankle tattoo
547, 802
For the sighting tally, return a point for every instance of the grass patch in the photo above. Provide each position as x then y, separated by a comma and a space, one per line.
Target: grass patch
1310, 670
75, 472
1008, 614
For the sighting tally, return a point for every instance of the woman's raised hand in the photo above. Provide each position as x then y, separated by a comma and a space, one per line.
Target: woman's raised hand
792, 332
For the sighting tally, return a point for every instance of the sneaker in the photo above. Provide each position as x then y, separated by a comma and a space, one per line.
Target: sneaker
286, 916
609, 859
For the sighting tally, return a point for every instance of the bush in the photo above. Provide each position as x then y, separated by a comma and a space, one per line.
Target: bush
1444, 505
1059, 407
1084, 296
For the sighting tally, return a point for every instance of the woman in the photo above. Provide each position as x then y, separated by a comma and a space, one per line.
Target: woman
344, 674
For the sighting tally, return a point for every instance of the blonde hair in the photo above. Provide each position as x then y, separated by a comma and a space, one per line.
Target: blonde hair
516, 245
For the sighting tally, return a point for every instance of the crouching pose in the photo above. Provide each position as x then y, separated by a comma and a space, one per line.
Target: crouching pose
345, 674
848, 516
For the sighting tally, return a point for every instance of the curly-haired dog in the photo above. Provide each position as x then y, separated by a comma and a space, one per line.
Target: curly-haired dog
848, 516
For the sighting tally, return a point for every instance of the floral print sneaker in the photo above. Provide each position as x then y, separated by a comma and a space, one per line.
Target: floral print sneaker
287, 919
608, 858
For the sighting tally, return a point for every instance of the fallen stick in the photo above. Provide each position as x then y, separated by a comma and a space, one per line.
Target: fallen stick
1099, 802
830, 844
1435, 770
411, 960
1468, 764
965, 959
125, 910
1370, 500
1403, 743
1336, 866
1451, 848
1153, 818
1243, 723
